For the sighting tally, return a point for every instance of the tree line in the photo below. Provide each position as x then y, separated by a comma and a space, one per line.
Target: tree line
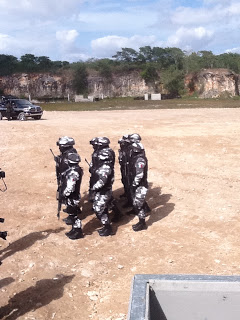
155, 64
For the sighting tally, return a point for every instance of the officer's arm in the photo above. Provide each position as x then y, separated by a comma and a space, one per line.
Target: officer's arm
103, 174
140, 165
71, 183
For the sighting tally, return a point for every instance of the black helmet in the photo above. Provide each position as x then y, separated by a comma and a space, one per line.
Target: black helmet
73, 158
100, 141
137, 147
124, 139
65, 141
135, 137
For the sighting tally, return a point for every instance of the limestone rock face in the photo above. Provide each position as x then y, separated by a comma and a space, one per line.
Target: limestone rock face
212, 83
36, 85
60, 86
123, 85
208, 83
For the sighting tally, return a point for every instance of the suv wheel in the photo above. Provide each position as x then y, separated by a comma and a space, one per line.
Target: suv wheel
22, 116
1, 116
37, 117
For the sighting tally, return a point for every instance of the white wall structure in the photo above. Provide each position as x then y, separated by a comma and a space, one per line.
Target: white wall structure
156, 96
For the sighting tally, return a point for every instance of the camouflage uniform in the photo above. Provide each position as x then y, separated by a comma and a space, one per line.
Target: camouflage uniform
72, 178
139, 183
101, 181
65, 145
124, 164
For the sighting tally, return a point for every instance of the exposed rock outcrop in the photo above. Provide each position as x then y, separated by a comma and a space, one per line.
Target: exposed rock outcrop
60, 86
209, 83
36, 85
212, 83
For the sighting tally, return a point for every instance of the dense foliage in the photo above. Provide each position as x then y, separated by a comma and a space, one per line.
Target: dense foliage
166, 66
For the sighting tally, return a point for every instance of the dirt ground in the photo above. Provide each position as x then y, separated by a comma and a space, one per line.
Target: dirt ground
193, 228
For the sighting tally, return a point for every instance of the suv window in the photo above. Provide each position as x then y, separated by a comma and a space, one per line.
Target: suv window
22, 103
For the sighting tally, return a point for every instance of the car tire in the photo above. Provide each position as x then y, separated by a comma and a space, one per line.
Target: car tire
37, 117
1, 116
22, 116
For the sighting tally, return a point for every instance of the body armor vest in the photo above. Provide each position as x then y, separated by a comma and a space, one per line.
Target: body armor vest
134, 158
79, 170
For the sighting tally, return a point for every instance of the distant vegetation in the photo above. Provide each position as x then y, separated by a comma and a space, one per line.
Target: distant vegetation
167, 66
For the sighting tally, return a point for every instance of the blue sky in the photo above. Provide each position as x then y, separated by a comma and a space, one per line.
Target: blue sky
76, 30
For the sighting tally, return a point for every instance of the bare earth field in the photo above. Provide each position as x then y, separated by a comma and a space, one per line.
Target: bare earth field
193, 228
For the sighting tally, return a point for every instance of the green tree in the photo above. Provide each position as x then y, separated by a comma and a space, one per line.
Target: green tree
104, 68
8, 64
150, 74
207, 59
44, 63
173, 80
145, 54
127, 55
28, 63
80, 79
229, 60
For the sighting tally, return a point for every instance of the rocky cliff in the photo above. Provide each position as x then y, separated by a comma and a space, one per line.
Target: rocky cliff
210, 83
213, 83
60, 86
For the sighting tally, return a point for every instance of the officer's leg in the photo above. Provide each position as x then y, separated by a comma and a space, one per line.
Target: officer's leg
132, 194
117, 213
138, 203
72, 209
76, 231
100, 207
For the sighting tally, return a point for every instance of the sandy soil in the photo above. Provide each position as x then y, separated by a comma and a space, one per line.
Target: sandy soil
193, 227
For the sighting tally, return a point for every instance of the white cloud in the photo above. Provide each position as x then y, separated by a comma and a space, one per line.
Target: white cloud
4, 41
67, 35
109, 45
39, 9
192, 38
233, 50
213, 15
69, 29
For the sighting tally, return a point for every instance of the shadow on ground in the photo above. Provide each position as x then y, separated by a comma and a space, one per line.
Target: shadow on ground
35, 297
159, 204
27, 241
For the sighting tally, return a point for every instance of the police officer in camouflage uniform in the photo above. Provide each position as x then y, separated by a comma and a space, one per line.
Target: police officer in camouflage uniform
70, 192
65, 145
123, 162
138, 167
101, 181
125, 154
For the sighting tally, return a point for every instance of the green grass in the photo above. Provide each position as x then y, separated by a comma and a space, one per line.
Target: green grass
131, 104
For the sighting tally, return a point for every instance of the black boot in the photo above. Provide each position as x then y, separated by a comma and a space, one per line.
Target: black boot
117, 214
69, 220
117, 217
123, 195
105, 231
75, 234
146, 208
141, 225
127, 205
131, 212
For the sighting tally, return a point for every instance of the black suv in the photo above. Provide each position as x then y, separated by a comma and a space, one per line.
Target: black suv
21, 109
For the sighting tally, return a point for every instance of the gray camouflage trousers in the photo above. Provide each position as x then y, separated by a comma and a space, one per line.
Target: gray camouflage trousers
139, 200
101, 204
73, 210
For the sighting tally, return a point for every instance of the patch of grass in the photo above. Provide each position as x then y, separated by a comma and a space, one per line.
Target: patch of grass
131, 104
